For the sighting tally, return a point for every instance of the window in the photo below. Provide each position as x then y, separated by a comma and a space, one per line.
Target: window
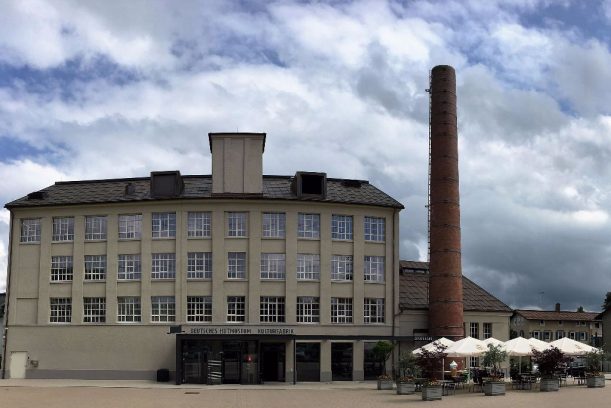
199, 265
272, 266
583, 336
559, 322
61, 310
94, 310
474, 362
271, 309
559, 334
487, 330
30, 230
236, 265
474, 330
95, 227
163, 266
199, 308
130, 226
374, 311
541, 322
341, 310
341, 227
236, 224
128, 309
572, 335
308, 266
547, 335
129, 267
95, 267
61, 268
374, 269
308, 309
63, 228
199, 224
164, 225
163, 309
274, 225
236, 309
341, 267
375, 229
537, 335
309, 226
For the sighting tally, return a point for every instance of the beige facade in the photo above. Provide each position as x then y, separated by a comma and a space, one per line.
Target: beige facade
553, 325
78, 348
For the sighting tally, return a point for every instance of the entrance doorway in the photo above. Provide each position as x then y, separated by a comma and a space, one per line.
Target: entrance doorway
341, 361
19, 360
273, 356
308, 361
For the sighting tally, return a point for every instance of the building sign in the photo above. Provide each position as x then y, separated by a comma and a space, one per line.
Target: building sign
423, 338
239, 331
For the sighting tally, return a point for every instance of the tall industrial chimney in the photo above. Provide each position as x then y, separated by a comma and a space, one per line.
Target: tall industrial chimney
445, 286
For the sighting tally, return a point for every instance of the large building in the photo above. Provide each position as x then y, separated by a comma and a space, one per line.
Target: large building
550, 325
233, 277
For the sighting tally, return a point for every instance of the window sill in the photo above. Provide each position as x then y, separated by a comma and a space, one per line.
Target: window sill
272, 279
64, 241
163, 279
94, 280
237, 237
342, 240
198, 238
163, 238
128, 239
375, 242
30, 243
129, 280
62, 281
92, 241
308, 239
341, 281
273, 238
236, 280
308, 280
374, 282
199, 279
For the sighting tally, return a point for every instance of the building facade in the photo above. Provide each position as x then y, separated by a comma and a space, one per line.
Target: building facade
550, 325
234, 277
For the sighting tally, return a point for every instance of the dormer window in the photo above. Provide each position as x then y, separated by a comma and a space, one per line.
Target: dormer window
308, 184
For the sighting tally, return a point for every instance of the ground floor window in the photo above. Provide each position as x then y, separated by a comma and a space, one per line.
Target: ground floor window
61, 310
163, 309
94, 310
128, 309
307, 356
199, 308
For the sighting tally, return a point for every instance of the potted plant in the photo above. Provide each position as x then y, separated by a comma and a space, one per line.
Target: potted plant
382, 351
549, 361
493, 359
430, 362
407, 371
594, 378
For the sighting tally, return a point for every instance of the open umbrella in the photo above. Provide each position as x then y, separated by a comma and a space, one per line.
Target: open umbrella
519, 347
494, 342
432, 345
538, 345
572, 347
467, 347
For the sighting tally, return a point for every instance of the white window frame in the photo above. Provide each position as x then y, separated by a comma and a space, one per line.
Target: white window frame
163, 225
487, 330
236, 265
94, 310
236, 309
273, 266
61, 269
237, 224
95, 228
60, 310
374, 311
163, 266
537, 334
130, 226
199, 224
560, 334
342, 268
474, 330
308, 226
199, 309
274, 225
272, 309
95, 267
375, 229
572, 335
163, 309
129, 309
341, 227
308, 309
129, 267
374, 269
308, 267
341, 310
63, 229
199, 265
583, 336
30, 230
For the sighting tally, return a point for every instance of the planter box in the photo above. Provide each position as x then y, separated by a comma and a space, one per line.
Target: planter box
431, 393
549, 384
406, 388
385, 384
494, 388
595, 381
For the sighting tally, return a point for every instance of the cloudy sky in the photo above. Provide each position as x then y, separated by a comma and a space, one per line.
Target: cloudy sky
117, 89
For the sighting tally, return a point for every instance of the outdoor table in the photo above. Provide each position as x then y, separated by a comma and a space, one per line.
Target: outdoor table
447, 387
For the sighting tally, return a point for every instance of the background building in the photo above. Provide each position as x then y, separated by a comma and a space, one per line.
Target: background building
257, 277
550, 325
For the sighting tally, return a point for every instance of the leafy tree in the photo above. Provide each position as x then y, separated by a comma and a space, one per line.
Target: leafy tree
382, 351
607, 304
580, 309
549, 360
430, 361
493, 358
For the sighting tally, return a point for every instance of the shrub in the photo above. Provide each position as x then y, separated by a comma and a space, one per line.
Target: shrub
549, 361
430, 361
382, 351
594, 360
493, 358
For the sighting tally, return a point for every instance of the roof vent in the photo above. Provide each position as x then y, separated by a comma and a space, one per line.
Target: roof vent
352, 183
37, 195
166, 184
130, 189
308, 184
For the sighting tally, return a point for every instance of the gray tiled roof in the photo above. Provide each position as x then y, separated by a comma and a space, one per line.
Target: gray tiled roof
554, 315
199, 187
414, 292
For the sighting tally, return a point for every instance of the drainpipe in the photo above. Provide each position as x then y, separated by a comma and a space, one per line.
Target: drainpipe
7, 301
394, 281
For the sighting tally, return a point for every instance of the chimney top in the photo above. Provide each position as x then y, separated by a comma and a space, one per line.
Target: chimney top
557, 307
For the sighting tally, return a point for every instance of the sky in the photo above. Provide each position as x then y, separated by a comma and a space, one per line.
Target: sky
112, 89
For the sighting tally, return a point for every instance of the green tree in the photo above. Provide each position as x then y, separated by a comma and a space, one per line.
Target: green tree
382, 350
580, 309
607, 304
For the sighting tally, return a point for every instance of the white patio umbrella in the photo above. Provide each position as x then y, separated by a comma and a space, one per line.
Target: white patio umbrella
538, 345
467, 347
572, 347
432, 345
519, 347
494, 342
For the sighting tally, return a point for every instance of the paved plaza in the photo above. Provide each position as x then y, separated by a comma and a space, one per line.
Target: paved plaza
93, 394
